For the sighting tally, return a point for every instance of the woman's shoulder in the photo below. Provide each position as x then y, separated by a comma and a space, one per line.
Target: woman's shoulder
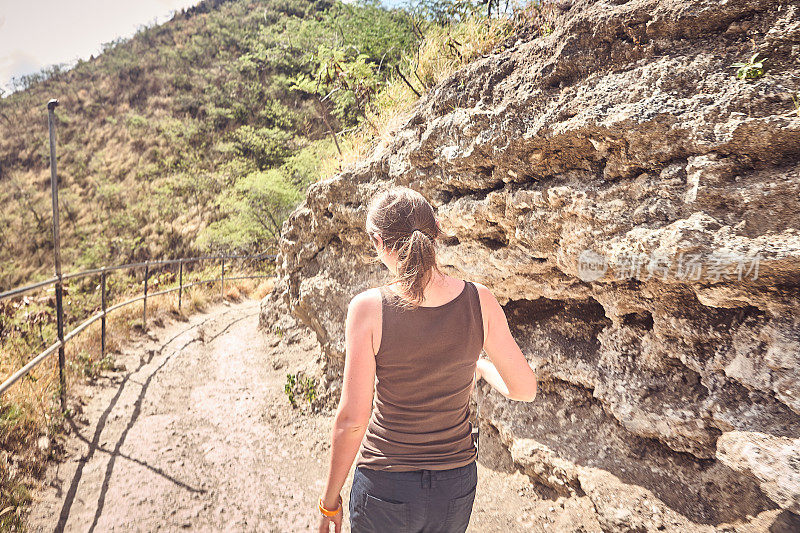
367, 301
483, 290
487, 299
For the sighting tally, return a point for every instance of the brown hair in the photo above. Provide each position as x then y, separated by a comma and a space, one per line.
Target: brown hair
406, 223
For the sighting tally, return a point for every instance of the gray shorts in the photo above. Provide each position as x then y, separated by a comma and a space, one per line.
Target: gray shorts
423, 501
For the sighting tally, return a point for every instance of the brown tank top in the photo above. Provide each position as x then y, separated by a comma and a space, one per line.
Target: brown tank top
424, 370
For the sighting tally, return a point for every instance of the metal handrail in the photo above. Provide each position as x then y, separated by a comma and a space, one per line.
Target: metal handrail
84, 273
20, 290
103, 272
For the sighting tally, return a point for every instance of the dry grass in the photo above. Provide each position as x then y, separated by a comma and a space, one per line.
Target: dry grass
262, 288
197, 298
30, 410
443, 51
233, 294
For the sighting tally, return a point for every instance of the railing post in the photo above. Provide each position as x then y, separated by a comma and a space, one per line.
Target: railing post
144, 303
62, 381
180, 286
103, 319
222, 280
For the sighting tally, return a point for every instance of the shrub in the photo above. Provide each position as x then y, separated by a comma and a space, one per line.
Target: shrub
750, 70
304, 386
266, 146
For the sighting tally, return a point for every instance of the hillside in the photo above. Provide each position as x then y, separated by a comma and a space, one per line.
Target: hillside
633, 204
198, 134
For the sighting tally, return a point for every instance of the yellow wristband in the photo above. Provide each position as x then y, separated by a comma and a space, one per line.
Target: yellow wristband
328, 513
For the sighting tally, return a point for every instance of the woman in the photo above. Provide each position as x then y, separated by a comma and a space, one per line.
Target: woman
415, 344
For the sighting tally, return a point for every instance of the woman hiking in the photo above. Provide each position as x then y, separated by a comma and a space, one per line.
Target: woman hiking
415, 344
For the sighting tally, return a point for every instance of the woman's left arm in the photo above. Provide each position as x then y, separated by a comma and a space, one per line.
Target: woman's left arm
355, 404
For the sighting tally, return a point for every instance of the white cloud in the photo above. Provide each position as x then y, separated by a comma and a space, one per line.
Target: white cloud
47, 32
16, 64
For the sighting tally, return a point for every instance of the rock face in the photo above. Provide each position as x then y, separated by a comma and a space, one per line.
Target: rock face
775, 461
636, 208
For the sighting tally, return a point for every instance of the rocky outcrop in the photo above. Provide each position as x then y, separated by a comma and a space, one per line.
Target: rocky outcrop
775, 461
636, 208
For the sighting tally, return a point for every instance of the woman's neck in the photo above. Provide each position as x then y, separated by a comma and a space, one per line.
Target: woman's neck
437, 283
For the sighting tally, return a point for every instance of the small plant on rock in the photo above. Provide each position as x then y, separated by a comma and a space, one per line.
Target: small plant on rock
300, 386
308, 386
291, 380
751, 70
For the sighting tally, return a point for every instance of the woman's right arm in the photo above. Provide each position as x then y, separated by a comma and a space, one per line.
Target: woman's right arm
508, 371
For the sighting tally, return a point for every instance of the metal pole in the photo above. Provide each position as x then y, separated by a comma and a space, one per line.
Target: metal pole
103, 320
180, 286
222, 280
62, 381
144, 304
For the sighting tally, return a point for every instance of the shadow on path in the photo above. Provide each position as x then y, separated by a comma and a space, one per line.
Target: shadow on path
101, 423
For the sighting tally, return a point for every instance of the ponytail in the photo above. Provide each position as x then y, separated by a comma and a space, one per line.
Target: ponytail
407, 224
415, 266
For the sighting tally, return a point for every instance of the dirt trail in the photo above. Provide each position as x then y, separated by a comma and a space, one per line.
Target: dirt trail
196, 433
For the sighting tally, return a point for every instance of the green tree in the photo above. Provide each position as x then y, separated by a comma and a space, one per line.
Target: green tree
253, 211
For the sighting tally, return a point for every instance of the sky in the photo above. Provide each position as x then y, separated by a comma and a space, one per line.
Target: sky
37, 33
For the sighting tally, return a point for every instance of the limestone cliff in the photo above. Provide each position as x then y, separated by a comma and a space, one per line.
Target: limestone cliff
636, 208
